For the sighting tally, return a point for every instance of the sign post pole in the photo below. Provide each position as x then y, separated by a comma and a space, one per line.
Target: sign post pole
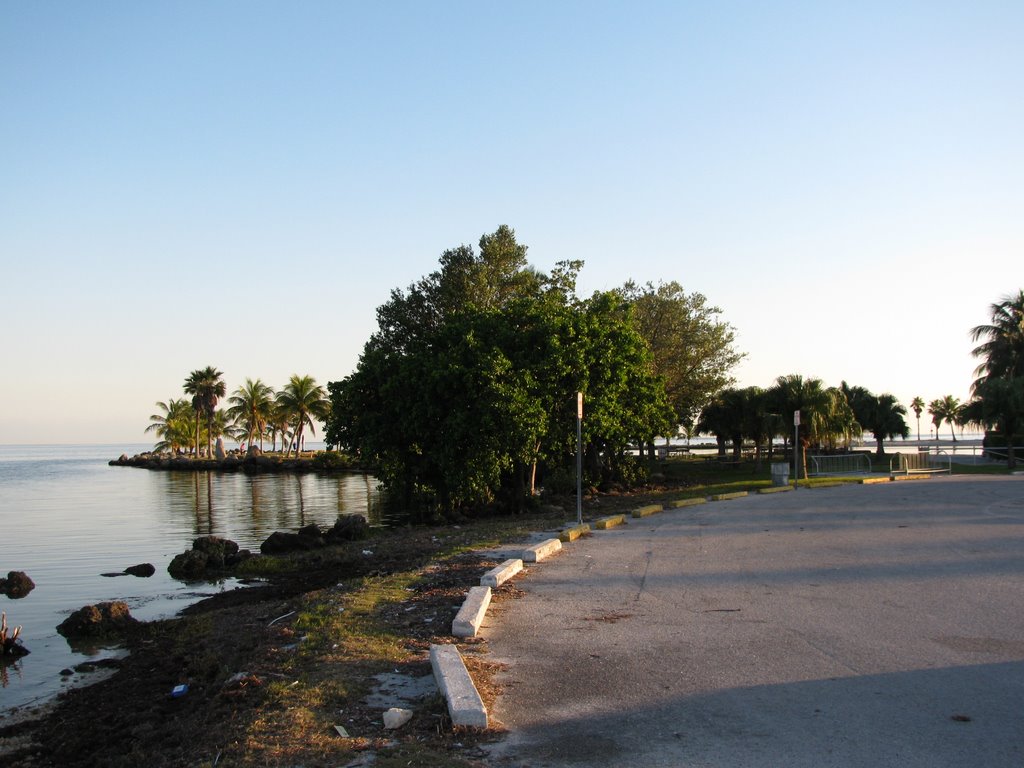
796, 448
579, 458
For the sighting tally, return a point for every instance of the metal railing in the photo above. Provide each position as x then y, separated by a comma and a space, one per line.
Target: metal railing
840, 464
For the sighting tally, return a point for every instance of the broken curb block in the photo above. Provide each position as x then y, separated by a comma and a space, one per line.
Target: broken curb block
680, 503
650, 509
574, 532
464, 703
502, 573
776, 489
727, 496
610, 522
471, 614
537, 552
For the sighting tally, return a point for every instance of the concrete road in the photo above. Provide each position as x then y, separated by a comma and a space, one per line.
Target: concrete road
851, 626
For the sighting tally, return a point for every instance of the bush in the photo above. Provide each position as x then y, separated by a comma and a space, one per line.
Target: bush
632, 471
559, 481
330, 460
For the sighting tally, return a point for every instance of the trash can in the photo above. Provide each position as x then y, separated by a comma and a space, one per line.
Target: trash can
780, 473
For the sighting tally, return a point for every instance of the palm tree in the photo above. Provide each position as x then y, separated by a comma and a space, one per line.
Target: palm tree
303, 400
277, 423
998, 403
825, 414
1003, 348
718, 418
885, 420
222, 425
173, 426
251, 406
917, 406
945, 409
206, 388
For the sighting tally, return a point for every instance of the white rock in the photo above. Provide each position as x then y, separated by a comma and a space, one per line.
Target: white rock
396, 718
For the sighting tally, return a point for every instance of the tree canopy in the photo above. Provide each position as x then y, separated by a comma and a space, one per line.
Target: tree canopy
691, 348
469, 384
997, 400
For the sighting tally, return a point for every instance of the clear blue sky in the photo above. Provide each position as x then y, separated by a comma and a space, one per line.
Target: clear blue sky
241, 184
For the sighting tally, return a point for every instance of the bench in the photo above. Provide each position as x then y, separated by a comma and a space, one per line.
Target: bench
918, 464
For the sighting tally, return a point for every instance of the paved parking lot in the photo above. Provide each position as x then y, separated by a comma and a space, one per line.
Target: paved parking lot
850, 626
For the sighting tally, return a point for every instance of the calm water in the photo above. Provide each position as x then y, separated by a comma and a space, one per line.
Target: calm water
66, 517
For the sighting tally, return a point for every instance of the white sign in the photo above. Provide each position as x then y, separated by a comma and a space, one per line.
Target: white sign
796, 418
579, 405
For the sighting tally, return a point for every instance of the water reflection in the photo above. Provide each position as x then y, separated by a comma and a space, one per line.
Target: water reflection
248, 508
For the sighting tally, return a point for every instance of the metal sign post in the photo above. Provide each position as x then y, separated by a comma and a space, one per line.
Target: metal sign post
579, 458
796, 447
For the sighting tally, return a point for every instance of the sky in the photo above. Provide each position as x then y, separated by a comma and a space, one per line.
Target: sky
242, 184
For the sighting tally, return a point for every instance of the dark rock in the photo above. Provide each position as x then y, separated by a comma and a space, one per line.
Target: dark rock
100, 620
280, 542
16, 585
190, 564
217, 549
208, 553
348, 528
67, 672
310, 530
143, 570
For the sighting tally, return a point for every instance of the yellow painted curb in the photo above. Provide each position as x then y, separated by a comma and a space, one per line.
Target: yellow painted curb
776, 489
650, 509
571, 534
610, 522
875, 480
726, 496
680, 503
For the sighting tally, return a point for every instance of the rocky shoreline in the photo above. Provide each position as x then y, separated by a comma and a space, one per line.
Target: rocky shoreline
253, 462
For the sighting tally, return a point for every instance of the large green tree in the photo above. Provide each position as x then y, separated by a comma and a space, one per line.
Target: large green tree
471, 379
692, 349
206, 387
